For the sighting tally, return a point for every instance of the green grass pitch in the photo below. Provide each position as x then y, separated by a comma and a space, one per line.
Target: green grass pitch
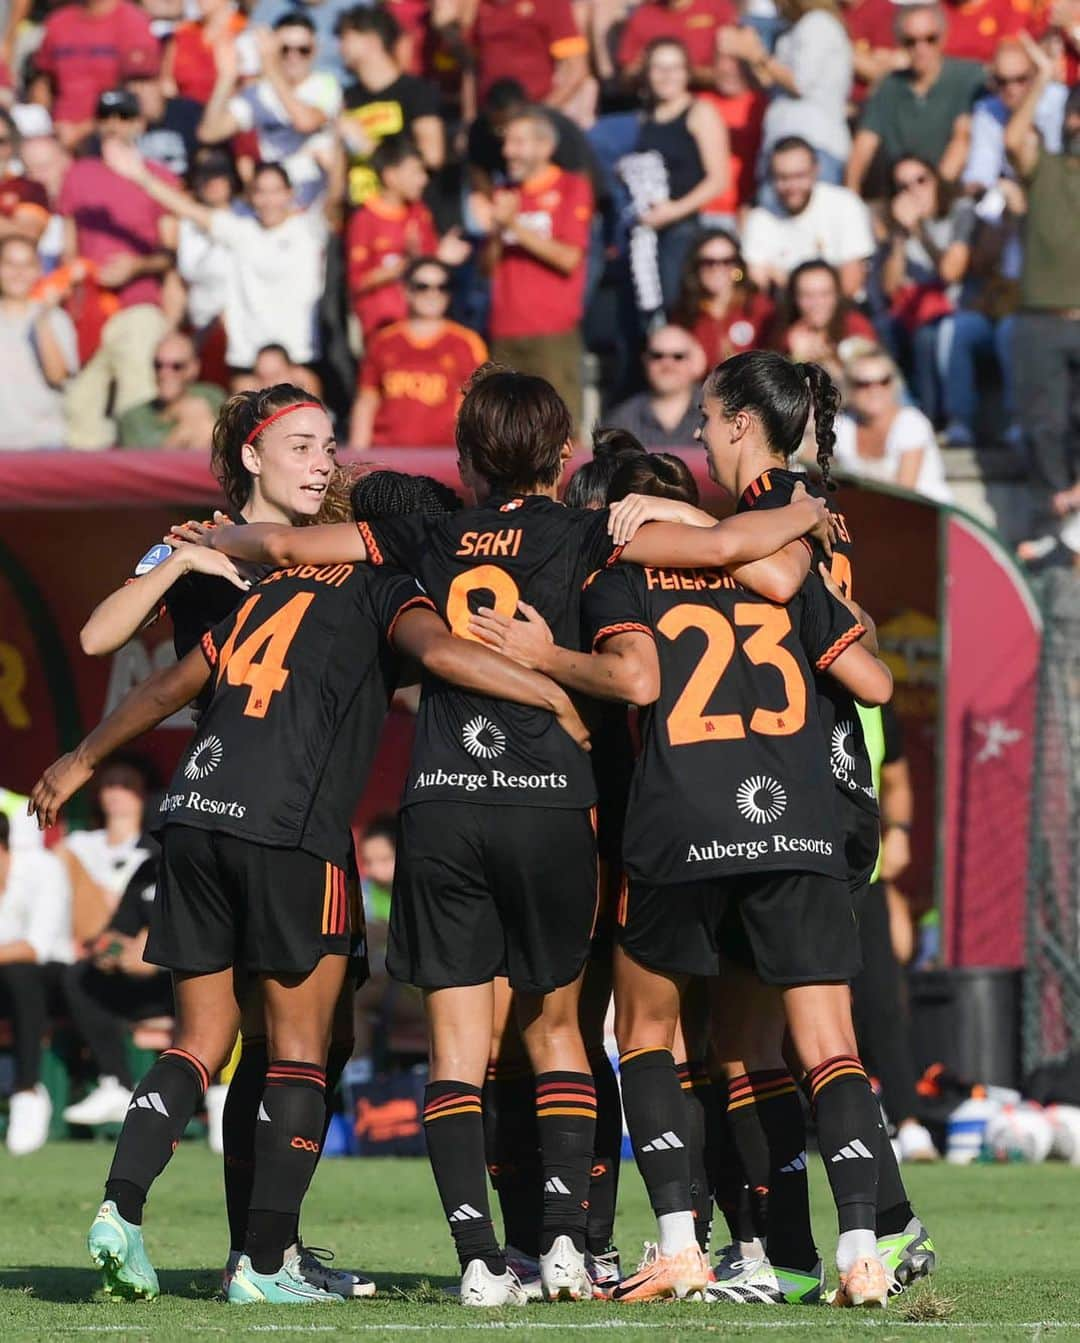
1009, 1238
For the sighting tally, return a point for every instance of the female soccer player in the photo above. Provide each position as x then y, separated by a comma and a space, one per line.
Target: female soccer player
691, 855
255, 851
498, 858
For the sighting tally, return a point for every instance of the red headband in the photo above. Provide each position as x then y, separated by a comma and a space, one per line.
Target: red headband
285, 410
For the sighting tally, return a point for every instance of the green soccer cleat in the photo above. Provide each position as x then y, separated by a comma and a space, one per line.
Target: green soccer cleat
116, 1247
908, 1256
764, 1284
286, 1287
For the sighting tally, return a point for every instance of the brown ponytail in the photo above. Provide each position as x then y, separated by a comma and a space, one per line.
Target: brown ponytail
825, 403
236, 420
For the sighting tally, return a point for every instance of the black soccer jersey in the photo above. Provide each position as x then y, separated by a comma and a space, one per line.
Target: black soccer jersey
470, 748
732, 775
302, 675
840, 722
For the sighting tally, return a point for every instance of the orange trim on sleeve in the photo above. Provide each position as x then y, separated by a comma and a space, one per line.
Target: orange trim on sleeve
209, 648
424, 603
614, 557
834, 650
625, 627
374, 553
569, 46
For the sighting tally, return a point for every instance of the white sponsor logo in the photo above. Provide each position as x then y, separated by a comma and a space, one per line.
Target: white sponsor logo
842, 755
466, 1213
761, 799
193, 801
482, 739
996, 735
204, 759
856, 1150
442, 778
555, 1186
151, 1101
716, 851
664, 1143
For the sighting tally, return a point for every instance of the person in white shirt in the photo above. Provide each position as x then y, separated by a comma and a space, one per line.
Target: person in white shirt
276, 280
878, 438
35, 936
292, 108
813, 220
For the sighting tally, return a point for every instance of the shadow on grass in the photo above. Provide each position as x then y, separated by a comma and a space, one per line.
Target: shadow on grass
50, 1283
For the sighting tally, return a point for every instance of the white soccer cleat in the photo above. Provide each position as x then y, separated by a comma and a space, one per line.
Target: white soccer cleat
107, 1104
28, 1121
563, 1274
527, 1271
480, 1287
315, 1267
916, 1143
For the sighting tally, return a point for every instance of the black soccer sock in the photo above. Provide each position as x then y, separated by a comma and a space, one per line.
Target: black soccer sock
607, 1154
238, 1134
454, 1129
726, 1176
512, 1149
566, 1124
780, 1113
894, 1209
695, 1082
339, 1054
848, 1120
160, 1108
656, 1115
288, 1135
752, 1145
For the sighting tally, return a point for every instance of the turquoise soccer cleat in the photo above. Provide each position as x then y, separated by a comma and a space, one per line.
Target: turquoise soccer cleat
116, 1247
286, 1287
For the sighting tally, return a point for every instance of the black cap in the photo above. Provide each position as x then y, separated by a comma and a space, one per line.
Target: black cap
118, 103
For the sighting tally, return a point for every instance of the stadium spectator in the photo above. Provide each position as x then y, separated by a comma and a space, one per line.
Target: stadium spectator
973, 28
38, 353
111, 987
923, 261
35, 938
182, 413
536, 258
190, 66
667, 415
1011, 76
413, 371
84, 52
810, 76
172, 122
880, 439
324, 16
505, 100
537, 42
717, 303
687, 143
115, 230
195, 294
382, 100
693, 23
24, 206
1046, 348
817, 319
273, 366
378, 855
275, 283
871, 28
46, 162
290, 110
922, 111
813, 220
741, 104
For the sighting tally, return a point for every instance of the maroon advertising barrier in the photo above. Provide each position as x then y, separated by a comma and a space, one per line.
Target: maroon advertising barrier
73, 525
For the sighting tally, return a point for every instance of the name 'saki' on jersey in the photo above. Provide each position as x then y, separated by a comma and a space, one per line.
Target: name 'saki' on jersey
733, 774
470, 747
302, 675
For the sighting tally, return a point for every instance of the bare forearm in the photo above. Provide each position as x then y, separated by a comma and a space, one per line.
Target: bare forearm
217, 124
124, 612
470, 665
736, 540
53, 362
560, 256
278, 544
605, 676
162, 694
17, 953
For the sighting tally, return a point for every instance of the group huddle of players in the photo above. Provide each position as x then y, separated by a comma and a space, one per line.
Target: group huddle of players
708, 879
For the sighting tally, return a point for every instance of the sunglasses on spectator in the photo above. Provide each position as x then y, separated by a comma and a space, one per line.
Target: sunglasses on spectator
862, 384
174, 365
704, 262
655, 356
906, 183
921, 40
429, 286
296, 49
1003, 81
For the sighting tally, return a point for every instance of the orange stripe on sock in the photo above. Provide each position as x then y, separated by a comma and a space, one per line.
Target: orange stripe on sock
197, 1064
637, 1053
465, 1108
566, 1110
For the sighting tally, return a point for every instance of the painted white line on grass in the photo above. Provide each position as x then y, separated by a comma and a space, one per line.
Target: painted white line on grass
489, 1326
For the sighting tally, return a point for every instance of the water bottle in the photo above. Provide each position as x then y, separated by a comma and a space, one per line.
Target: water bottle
966, 1129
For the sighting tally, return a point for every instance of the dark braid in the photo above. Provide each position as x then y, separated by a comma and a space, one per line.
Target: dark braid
390, 494
825, 401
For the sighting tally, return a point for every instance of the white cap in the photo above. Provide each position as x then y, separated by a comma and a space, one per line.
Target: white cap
31, 119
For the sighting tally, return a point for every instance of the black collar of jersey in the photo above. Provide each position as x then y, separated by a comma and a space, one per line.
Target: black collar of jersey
777, 475
507, 501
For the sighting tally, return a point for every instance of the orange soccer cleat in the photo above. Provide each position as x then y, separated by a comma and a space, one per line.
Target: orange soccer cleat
661, 1277
866, 1283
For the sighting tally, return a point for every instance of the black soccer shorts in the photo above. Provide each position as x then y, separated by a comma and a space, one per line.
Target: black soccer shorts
788, 927
224, 901
481, 891
861, 830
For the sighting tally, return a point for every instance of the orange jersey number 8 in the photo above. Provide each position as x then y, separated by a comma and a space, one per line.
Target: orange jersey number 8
688, 722
484, 578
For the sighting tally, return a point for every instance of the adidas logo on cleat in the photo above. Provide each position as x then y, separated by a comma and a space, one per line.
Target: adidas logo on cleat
797, 1166
555, 1186
151, 1101
664, 1143
263, 1115
466, 1213
855, 1150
